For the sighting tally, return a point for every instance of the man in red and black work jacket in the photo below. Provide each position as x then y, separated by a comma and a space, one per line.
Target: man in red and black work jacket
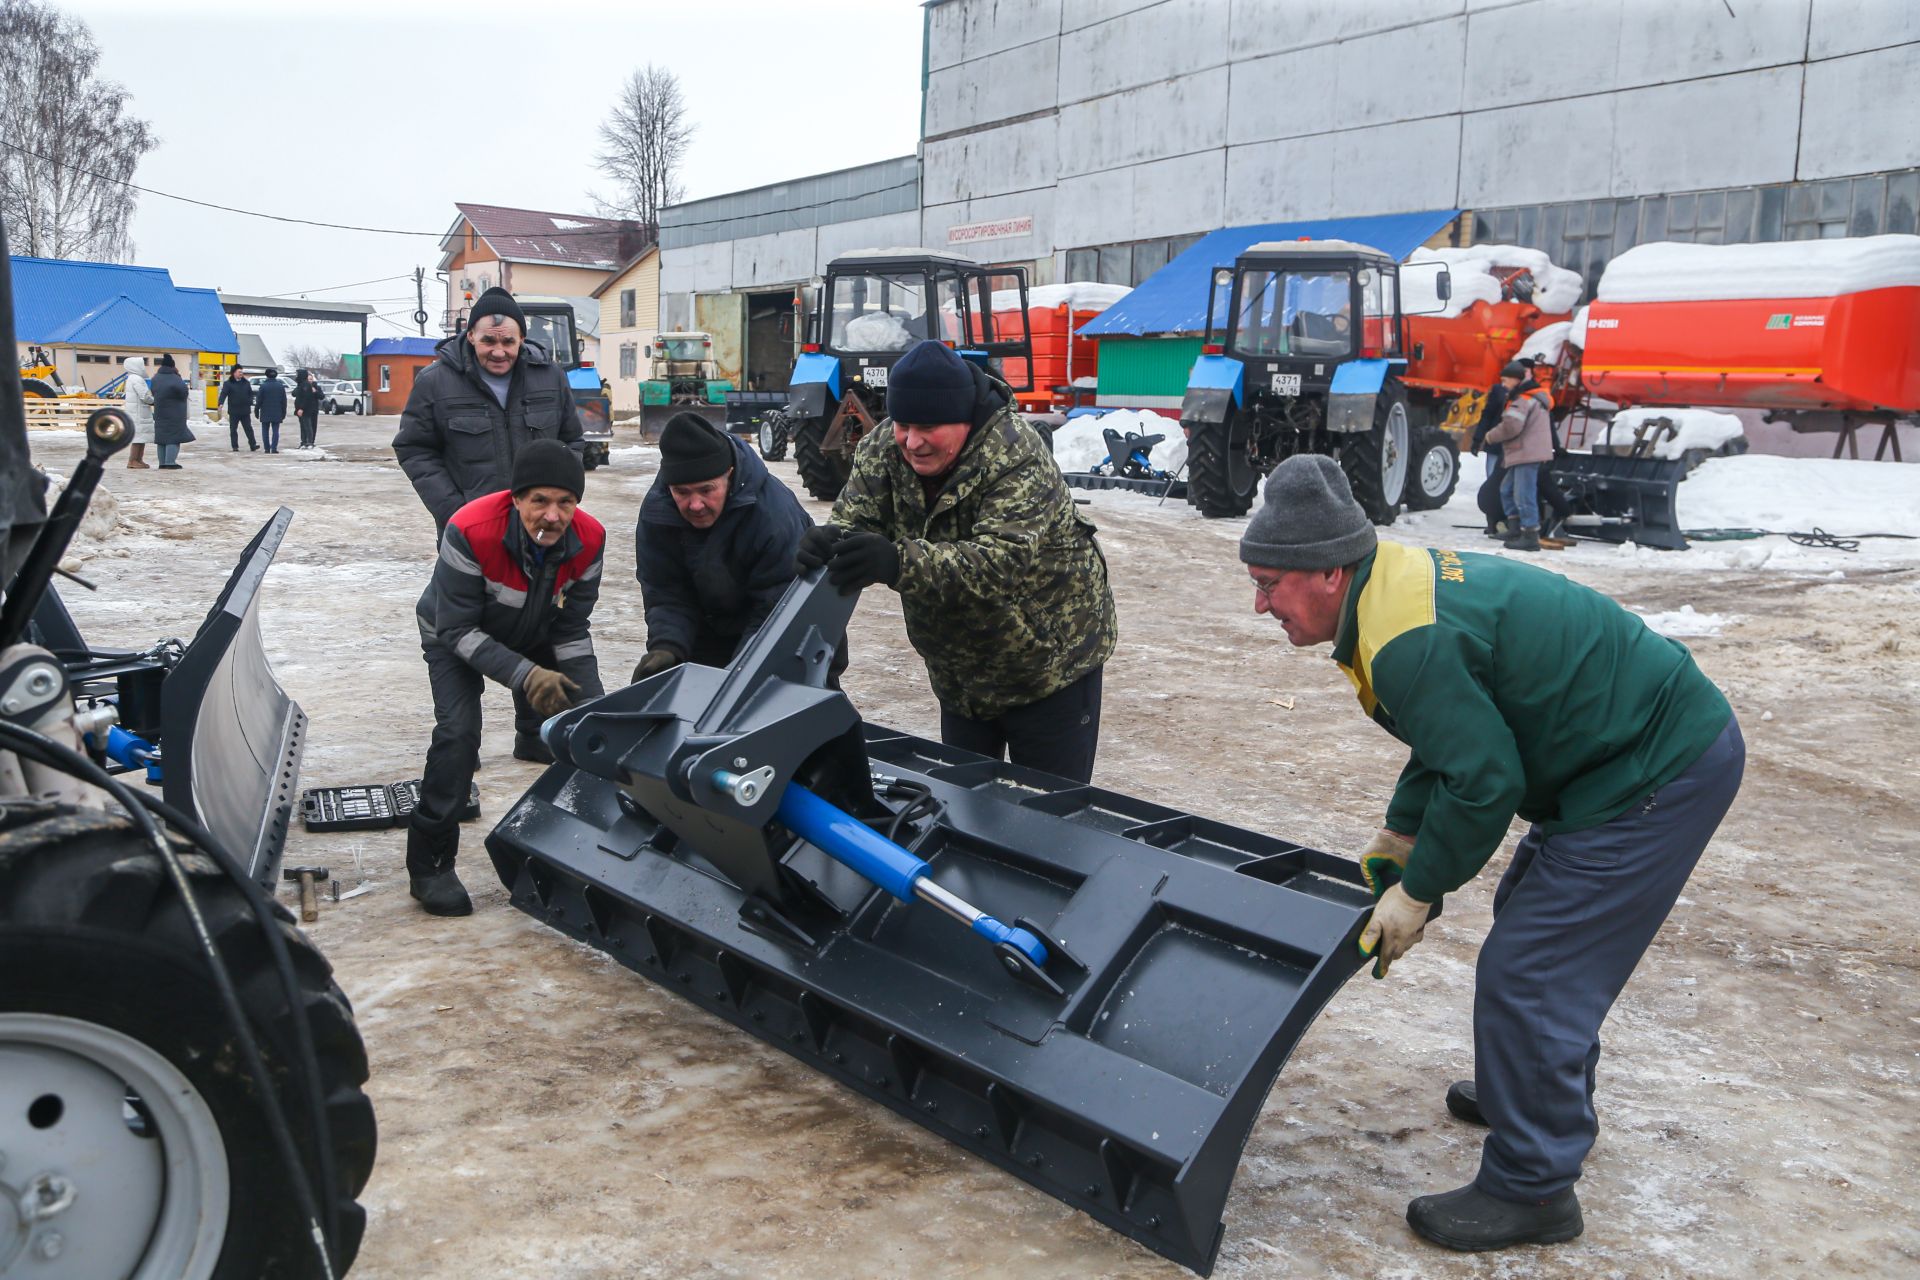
512, 592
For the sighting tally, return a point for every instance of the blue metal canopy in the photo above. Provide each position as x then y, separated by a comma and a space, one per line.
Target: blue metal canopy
1174, 298
106, 304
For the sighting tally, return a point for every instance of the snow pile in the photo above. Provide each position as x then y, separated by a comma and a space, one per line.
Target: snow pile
103, 510
1555, 289
1080, 445
1548, 342
1668, 272
1695, 429
1839, 495
312, 453
876, 331
1578, 334
1683, 623
1078, 295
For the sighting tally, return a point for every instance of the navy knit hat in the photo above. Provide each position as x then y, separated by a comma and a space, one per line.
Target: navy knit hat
693, 451
549, 464
930, 385
496, 302
1309, 519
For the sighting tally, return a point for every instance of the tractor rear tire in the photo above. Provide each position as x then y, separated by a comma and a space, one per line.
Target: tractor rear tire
1375, 461
822, 475
1433, 469
116, 1043
1221, 477
772, 435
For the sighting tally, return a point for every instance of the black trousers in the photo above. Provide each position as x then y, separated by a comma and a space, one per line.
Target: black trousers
1489, 496
1058, 734
239, 421
309, 428
433, 833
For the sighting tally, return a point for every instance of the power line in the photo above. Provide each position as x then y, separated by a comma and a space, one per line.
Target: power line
293, 293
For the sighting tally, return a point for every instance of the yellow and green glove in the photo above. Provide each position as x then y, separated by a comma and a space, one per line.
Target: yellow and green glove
1398, 920
1384, 862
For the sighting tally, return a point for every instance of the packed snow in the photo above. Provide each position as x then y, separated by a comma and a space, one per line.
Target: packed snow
1077, 295
1556, 290
1546, 343
1683, 623
876, 331
1577, 335
1669, 272
1081, 444
1693, 429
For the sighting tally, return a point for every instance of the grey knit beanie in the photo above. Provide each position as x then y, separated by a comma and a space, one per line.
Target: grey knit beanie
1309, 520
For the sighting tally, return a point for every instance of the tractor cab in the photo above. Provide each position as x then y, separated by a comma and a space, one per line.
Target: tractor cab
1305, 352
873, 305
551, 323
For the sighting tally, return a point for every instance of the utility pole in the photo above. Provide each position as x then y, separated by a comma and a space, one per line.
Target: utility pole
420, 299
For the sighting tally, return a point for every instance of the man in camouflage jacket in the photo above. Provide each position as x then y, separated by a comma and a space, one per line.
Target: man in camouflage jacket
956, 504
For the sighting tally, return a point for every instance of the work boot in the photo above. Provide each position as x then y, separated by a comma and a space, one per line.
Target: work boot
1464, 1102
1525, 540
1498, 530
441, 893
527, 746
1472, 1221
137, 458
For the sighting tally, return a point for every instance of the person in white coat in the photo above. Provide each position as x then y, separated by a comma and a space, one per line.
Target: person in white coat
138, 397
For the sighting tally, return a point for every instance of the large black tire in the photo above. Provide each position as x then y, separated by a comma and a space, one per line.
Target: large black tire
94, 938
1221, 478
823, 476
1433, 469
771, 435
1375, 461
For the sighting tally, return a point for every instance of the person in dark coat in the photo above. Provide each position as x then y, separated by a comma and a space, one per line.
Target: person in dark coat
487, 395
170, 414
236, 397
306, 407
713, 546
271, 401
1488, 497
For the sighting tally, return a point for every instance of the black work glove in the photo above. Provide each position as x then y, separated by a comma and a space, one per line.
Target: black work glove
816, 547
656, 661
863, 560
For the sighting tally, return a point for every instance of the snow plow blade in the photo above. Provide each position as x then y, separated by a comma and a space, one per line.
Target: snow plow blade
1152, 488
229, 737
1111, 1042
1623, 499
654, 417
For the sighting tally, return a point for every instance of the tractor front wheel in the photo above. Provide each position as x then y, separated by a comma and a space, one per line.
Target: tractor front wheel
1434, 469
1221, 476
772, 435
1375, 461
824, 475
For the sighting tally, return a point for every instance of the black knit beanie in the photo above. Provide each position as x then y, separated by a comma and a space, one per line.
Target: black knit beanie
496, 302
692, 450
549, 464
930, 385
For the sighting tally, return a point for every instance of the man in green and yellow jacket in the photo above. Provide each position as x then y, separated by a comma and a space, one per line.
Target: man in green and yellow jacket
956, 503
1518, 692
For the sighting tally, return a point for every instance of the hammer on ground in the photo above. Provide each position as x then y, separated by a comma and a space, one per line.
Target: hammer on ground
309, 901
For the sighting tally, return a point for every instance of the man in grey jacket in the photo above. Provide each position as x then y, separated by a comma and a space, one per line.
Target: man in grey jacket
1525, 437
486, 396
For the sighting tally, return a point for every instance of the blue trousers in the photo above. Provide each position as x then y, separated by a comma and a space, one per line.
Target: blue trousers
270, 435
1571, 919
1520, 494
169, 454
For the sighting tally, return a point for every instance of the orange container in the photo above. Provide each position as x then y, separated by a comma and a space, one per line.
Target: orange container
1466, 352
1052, 332
1855, 351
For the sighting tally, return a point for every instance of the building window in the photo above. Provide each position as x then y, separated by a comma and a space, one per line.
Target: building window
1128, 264
629, 354
628, 309
386, 377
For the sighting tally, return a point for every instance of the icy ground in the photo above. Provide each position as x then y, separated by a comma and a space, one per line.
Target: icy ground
547, 1115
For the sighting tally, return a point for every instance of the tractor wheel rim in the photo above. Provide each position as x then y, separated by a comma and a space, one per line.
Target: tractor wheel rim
1435, 470
766, 436
1393, 455
145, 1187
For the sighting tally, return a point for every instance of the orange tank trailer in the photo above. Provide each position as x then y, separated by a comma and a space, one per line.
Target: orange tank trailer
1052, 330
1856, 352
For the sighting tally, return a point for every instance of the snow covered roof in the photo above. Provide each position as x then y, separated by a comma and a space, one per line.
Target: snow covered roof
1669, 272
566, 239
1556, 290
401, 347
1174, 298
1075, 295
108, 304
906, 251
1313, 246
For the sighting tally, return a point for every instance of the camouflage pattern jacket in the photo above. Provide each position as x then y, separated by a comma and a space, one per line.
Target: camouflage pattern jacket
1003, 586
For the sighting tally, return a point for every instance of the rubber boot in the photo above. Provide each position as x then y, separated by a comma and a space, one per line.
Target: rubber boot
1472, 1221
1464, 1102
1525, 540
527, 746
1498, 530
137, 458
430, 875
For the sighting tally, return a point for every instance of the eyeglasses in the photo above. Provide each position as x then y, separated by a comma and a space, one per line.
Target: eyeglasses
1266, 588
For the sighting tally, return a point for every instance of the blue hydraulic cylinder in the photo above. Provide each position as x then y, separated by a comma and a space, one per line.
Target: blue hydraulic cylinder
133, 752
848, 840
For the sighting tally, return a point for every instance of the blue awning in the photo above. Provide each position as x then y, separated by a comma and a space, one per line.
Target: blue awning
111, 304
1174, 298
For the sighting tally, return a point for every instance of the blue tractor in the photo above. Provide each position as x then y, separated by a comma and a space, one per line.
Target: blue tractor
1310, 356
874, 304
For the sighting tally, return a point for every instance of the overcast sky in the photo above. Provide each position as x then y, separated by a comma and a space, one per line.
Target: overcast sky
384, 114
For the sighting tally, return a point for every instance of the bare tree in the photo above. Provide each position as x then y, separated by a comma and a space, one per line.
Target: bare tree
67, 144
643, 141
316, 359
